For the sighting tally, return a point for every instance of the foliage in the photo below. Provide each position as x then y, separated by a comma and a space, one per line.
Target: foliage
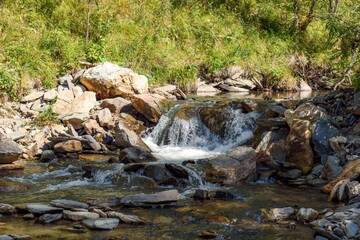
168, 39
47, 117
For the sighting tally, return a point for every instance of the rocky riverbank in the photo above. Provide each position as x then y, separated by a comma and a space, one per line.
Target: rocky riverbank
106, 109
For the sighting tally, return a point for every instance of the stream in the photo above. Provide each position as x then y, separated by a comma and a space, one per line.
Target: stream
179, 136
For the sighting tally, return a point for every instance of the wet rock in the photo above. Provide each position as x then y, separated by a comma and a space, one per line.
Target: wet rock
39, 209
9, 151
32, 96
109, 80
142, 182
290, 174
279, 214
337, 143
231, 168
47, 156
6, 237
78, 216
125, 137
204, 194
249, 105
124, 218
101, 223
299, 150
322, 132
70, 146
105, 118
50, 218
271, 123
177, 170
306, 111
351, 229
148, 199
350, 171
68, 204
7, 209
331, 168
135, 155
116, 105
160, 174
307, 214
149, 105
208, 234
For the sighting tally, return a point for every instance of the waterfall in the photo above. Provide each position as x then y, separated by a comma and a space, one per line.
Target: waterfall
182, 133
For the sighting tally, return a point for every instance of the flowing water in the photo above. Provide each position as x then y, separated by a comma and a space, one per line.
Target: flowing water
180, 135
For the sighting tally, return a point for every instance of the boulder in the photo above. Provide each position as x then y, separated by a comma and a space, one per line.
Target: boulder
39, 208
332, 168
68, 204
135, 155
231, 168
50, 95
75, 119
47, 156
229, 88
70, 146
350, 171
50, 218
109, 80
306, 111
35, 95
279, 214
101, 223
159, 174
322, 132
66, 103
79, 215
307, 214
149, 105
9, 151
105, 118
124, 218
299, 151
7, 209
116, 105
124, 137
155, 198
92, 127
304, 87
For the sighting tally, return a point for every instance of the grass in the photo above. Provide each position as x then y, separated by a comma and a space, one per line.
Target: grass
46, 118
167, 40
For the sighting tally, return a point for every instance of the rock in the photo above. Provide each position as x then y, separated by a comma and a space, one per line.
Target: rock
68, 204
70, 146
307, 214
331, 168
235, 76
39, 208
135, 155
9, 151
169, 88
149, 105
304, 87
101, 223
124, 137
91, 143
7, 209
101, 213
208, 234
206, 89
323, 131
142, 182
299, 151
155, 198
63, 102
47, 156
105, 118
306, 111
6, 237
204, 194
351, 229
77, 91
337, 143
350, 171
279, 214
75, 119
78, 216
92, 127
32, 97
140, 84
110, 80
229, 88
290, 174
177, 171
231, 168
128, 219
116, 105
160, 174
50, 95
81, 104
50, 218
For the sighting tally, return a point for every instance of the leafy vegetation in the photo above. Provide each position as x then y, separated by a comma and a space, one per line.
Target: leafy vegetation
169, 39
46, 117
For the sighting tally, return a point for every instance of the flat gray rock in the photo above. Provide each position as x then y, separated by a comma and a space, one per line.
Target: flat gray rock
39, 208
49, 218
155, 198
101, 223
68, 204
9, 151
78, 216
